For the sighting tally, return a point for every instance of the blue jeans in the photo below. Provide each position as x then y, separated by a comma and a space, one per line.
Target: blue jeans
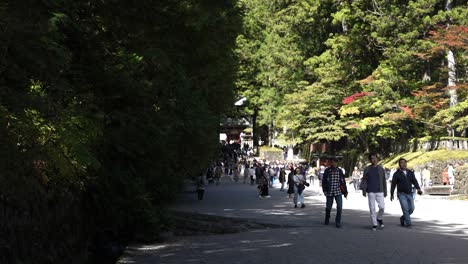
298, 198
339, 207
407, 206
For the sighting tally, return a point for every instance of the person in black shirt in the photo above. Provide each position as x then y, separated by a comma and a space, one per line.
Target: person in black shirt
291, 181
404, 180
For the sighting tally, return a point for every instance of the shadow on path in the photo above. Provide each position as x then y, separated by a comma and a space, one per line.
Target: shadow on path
308, 240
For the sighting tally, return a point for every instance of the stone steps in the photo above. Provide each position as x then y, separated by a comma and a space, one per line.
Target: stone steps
438, 190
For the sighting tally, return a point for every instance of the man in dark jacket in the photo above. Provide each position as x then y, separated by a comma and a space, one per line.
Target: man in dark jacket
404, 180
376, 189
334, 186
258, 173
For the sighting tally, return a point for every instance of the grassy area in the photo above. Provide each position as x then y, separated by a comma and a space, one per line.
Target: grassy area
459, 197
420, 157
269, 149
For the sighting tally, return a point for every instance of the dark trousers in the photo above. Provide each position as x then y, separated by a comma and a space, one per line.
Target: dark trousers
200, 193
264, 190
339, 208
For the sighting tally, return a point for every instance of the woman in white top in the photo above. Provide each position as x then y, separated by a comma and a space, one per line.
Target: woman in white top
299, 186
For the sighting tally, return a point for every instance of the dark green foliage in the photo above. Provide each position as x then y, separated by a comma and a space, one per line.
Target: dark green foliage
105, 108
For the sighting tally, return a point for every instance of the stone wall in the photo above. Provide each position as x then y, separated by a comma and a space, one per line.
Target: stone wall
448, 144
271, 155
461, 180
461, 173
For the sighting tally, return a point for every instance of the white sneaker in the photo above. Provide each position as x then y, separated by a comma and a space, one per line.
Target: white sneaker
381, 225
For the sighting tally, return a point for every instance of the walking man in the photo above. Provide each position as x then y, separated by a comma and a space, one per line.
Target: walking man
258, 173
334, 186
376, 190
404, 180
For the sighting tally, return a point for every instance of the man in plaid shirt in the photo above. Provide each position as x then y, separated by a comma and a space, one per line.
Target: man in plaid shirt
334, 186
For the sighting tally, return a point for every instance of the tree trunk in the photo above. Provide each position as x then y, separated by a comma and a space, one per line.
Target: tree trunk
452, 78
452, 66
344, 25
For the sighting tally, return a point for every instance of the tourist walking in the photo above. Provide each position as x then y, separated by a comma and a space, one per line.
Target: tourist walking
236, 173
451, 174
263, 184
299, 186
252, 175
320, 176
271, 175
426, 174
334, 187
218, 172
312, 175
445, 176
209, 175
291, 181
404, 180
375, 186
282, 178
258, 173
356, 177
200, 187
246, 172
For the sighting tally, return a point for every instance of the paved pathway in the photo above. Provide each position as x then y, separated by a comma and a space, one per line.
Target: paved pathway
439, 234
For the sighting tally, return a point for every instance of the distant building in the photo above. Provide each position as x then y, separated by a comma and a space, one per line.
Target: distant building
232, 130
238, 130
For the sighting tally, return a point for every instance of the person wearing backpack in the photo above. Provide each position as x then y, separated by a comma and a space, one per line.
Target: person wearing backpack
334, 187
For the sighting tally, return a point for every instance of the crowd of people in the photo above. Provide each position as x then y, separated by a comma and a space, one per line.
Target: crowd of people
372, 181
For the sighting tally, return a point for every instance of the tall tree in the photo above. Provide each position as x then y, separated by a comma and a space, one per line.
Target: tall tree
105, 108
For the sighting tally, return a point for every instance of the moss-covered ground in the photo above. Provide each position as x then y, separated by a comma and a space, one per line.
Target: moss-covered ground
420, 157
